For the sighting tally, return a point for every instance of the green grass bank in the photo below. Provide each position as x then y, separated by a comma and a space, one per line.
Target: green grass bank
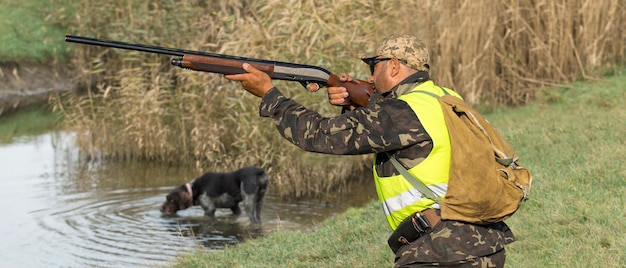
29, 33
572, 138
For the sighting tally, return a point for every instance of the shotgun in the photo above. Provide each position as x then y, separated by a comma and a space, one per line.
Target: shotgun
359, 90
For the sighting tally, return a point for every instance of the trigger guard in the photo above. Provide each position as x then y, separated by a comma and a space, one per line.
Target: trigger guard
306, 86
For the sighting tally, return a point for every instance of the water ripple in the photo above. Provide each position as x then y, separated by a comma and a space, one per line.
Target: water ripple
60, 212
125, 228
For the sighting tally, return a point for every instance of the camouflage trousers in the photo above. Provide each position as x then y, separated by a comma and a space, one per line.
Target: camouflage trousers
457, 244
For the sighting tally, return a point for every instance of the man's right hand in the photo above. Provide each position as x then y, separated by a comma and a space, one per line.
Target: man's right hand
338, 95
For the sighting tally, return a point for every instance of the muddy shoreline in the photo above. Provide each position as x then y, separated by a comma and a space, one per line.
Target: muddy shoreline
23, 86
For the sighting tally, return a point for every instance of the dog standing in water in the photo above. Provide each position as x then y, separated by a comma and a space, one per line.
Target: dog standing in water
222, 190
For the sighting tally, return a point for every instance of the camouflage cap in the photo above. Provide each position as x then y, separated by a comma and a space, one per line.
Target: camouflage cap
406, 47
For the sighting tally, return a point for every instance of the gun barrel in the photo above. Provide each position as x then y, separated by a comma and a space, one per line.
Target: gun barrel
123, 45
181, 52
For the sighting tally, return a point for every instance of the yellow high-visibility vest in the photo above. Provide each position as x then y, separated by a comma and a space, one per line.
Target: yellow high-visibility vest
399, 199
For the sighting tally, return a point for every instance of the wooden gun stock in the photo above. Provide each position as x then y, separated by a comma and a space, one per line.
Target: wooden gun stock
359, 90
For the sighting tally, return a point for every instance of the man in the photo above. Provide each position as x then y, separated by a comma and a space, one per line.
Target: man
399, 124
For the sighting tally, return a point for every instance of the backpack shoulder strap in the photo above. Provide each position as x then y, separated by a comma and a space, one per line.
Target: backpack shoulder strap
419, 185
445, 92
500, 156
427, 93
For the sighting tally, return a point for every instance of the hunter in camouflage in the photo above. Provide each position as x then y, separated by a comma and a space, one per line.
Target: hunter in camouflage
386, 126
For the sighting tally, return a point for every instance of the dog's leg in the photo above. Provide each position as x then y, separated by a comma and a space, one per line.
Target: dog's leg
236, 210
251, 206
259, 203
260, 195
207, 204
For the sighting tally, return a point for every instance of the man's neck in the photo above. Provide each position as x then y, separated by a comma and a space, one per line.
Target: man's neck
418, 77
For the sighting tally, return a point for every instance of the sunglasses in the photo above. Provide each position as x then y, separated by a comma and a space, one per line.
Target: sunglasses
373, 61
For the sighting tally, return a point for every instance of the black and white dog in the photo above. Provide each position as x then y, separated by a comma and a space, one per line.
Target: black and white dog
222, 190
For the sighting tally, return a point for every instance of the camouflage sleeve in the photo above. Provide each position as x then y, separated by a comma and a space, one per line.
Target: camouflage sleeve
382, 126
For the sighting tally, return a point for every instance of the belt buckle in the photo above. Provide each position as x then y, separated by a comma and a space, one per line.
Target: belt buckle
420, 223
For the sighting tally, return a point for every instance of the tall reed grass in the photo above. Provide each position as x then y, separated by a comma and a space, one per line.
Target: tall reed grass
135, 105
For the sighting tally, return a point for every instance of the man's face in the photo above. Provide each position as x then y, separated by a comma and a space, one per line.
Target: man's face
379, 76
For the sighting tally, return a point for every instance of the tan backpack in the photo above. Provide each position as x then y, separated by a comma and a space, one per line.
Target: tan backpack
487, 181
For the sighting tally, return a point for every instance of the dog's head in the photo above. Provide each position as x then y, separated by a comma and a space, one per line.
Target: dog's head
177, 199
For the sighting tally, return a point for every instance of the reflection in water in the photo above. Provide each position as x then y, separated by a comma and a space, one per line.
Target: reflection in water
59, 211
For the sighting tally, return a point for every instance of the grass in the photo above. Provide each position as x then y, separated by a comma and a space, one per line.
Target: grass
572, 138
356, 238
27, 33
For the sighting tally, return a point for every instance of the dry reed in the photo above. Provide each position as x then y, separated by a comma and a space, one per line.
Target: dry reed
137, 106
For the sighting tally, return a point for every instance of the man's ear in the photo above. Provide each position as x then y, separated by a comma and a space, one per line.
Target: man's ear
394, 66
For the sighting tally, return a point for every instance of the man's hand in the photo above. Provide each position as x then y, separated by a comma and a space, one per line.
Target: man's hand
256, 82
339, 95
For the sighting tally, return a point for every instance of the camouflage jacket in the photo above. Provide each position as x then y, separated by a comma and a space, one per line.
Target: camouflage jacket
385, 125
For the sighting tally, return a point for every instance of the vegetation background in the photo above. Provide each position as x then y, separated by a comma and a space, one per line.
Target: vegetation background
493, 53
519, 53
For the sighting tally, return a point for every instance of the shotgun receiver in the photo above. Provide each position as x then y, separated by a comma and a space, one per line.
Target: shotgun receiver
359, 90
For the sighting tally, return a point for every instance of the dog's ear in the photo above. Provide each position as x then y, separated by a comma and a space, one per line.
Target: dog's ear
186, 200
171, 204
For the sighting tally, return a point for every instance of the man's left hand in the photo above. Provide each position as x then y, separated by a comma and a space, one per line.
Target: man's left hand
254, 81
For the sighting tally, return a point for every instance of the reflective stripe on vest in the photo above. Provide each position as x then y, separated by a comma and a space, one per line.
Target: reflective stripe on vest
398, 197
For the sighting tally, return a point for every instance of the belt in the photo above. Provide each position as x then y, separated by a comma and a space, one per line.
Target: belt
431, 215
413, 228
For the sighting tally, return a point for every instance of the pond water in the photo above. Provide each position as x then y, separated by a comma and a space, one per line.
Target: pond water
59, 211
